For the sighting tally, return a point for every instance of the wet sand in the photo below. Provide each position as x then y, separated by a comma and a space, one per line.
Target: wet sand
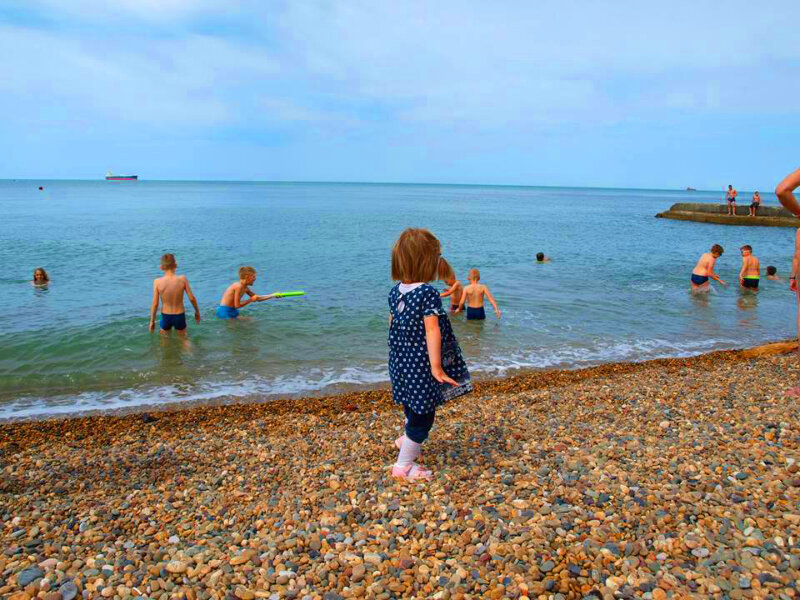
666, 479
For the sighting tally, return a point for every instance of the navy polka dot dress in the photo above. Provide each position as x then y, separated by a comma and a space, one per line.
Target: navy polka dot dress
413, 385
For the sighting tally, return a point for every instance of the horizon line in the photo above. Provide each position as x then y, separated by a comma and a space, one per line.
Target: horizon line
322, 182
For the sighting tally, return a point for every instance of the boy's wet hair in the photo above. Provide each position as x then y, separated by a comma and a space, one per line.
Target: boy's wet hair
417, 257
474, 275
168, 261
747, 247
245, 271
540, 256
771, 270
45, 276
717, 249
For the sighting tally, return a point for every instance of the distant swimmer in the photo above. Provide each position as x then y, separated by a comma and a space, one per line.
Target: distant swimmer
751, 269
454, 289
233, 297
473, 297
755, 204
40, 277
541, 258
41, 188
169, 290
730, 198
772, 274
704, 270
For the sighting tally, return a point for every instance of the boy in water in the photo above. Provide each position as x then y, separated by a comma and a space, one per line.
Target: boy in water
751, 269
232, 298
454, 289
772, 273
541, 258
474, 294
169, 289
704, 269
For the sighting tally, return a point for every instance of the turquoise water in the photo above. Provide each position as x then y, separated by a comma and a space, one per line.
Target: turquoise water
616, 289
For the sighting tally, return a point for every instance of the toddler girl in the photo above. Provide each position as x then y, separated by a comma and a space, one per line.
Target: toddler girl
425, 363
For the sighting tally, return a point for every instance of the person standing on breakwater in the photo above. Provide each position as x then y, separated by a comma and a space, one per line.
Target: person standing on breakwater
169, 289
750, 273
755, 204
473, 296
730, 198
704, 269
425, 363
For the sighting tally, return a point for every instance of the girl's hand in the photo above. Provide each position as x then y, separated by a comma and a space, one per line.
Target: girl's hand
442, 377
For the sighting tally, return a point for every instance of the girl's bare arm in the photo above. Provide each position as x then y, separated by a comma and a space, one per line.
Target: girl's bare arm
433, 339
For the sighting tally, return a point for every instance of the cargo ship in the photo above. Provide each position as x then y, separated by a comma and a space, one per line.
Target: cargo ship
111, 177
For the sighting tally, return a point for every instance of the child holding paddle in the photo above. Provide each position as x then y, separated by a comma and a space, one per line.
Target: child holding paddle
425, 363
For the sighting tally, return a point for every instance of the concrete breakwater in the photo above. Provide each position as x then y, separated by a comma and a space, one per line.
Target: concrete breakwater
770, 216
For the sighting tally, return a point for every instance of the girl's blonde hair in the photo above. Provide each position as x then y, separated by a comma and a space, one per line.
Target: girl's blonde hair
417, 256
45, 276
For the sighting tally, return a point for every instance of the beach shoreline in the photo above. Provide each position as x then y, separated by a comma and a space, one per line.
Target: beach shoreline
672, 478
355, 394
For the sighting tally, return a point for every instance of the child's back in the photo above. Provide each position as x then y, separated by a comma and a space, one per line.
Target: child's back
169, 290
473, 297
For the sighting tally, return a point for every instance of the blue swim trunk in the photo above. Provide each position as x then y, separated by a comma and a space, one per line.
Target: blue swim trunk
699, 279
170, 321
475, 313
227, 312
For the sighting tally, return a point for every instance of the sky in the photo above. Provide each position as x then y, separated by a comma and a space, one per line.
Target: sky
567, 92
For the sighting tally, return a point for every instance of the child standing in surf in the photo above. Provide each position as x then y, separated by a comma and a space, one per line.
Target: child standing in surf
425, 363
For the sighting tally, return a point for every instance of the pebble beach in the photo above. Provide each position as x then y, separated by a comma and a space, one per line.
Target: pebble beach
673, 478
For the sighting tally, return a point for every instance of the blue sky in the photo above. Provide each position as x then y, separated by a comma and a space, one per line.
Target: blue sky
619, 93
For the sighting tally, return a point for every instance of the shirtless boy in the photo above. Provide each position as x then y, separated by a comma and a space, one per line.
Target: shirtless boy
730, 198
455, 290
232, 299
541, 258
751, 269
473, 296
772, 274
704, 269
169, 289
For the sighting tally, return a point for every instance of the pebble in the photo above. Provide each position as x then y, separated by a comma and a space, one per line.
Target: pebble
552, 484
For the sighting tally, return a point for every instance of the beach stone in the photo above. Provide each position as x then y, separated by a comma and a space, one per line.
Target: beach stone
68, 590
29, 575
359, 571
243, 593
176, 566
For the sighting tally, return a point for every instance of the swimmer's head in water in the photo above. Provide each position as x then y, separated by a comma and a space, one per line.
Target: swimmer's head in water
168, 262
474, 275
540, 256
772, 271
717, 250
40, 275
746, 249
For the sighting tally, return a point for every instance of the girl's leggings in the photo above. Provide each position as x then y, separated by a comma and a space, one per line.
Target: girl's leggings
418, 426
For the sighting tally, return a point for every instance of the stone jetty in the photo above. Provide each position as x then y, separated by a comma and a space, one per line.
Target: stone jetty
769, 216
660, 480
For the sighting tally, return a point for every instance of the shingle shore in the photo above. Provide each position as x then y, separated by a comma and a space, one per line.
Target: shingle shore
668, 479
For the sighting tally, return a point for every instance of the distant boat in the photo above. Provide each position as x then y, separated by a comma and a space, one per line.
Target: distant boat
111, 177
690, 189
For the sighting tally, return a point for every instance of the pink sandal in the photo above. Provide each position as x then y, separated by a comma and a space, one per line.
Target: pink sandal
411, 472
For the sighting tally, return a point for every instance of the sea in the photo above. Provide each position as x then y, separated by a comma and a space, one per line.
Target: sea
617, 288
